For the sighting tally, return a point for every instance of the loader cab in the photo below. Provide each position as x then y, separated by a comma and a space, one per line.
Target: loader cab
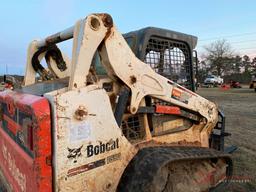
168, 52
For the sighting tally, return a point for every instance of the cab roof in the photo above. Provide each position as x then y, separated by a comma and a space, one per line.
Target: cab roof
154, 31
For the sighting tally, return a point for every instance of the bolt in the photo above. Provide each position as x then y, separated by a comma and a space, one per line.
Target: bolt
133, 79
81, 113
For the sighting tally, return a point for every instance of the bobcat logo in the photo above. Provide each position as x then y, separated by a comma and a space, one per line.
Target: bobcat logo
74, 153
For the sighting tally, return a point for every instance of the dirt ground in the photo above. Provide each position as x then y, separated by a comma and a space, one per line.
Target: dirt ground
239, 107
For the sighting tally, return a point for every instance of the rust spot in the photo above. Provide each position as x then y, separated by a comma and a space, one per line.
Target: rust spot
107, 20
133, 79
48, 160
60, 108
52, 39
109, 33
108, 185
75, 85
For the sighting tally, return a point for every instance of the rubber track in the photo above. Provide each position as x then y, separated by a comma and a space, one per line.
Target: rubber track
141, 171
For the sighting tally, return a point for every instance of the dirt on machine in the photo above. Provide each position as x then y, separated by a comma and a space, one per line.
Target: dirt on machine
120, 115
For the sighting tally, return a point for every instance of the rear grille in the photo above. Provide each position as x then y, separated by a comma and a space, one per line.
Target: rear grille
171, 59
133, 128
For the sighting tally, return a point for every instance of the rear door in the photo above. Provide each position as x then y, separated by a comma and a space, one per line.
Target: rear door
25, 141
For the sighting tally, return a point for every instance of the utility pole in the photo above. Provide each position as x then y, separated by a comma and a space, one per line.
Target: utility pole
6, 68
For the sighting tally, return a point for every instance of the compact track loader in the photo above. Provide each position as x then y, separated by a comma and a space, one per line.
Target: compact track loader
105, 120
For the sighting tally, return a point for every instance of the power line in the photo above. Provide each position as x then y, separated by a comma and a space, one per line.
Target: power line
234, 44
235, 35
242, 48
238, 42
248, 48
236, 48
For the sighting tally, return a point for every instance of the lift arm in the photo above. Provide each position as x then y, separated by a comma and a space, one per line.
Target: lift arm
97, 32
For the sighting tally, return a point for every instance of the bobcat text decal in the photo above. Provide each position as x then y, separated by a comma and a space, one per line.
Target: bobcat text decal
19, 177
102, 147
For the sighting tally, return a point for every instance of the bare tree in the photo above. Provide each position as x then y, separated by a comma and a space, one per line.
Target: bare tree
219, 55
246, 63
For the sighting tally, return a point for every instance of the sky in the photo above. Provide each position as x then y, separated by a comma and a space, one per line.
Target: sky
25, 20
